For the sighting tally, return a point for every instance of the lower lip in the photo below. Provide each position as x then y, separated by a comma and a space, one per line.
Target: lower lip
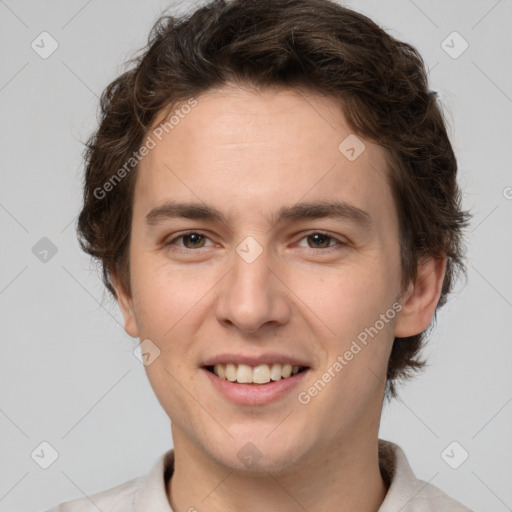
254, 394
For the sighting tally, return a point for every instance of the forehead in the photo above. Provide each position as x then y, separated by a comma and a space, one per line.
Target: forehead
244, 151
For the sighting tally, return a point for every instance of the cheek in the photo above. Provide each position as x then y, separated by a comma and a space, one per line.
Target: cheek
349, 300
358, 309
163, 295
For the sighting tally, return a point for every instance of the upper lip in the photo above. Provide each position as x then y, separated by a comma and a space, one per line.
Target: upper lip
254, 360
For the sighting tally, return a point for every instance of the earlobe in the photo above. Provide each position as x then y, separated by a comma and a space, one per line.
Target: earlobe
125, 302
421, 298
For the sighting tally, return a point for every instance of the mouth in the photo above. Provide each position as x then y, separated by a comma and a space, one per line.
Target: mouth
258, 375
255, 379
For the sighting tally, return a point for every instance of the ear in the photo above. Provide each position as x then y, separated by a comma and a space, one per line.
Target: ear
125, 305
420, 300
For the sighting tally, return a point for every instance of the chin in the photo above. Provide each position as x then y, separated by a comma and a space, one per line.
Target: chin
258, 454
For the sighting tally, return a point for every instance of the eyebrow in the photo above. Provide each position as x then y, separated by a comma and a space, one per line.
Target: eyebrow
296, 212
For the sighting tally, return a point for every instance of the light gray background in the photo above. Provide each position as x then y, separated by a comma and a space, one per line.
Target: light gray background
68, 374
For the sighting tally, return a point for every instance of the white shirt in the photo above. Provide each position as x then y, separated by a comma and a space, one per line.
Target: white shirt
148, 494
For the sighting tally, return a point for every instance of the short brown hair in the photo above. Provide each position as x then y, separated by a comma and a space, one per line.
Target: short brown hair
318, 45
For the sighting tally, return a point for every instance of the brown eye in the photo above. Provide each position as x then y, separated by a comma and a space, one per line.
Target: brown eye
319, 240
322, 243
193, 240
188, 243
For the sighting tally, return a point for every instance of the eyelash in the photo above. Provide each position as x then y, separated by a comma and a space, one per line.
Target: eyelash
340, 244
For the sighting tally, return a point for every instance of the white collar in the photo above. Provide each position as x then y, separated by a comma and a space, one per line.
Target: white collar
405, 494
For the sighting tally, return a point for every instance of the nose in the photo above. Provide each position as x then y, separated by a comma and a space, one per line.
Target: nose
252, 297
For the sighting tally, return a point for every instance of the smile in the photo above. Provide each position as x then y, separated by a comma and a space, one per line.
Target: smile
259, 374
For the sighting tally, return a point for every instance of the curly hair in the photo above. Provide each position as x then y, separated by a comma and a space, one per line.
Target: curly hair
380, 83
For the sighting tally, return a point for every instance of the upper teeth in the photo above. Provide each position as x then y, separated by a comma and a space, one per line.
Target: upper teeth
261, 374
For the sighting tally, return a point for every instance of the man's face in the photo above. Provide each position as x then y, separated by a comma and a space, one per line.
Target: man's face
274, 280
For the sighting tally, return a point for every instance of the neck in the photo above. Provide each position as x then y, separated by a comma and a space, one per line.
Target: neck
342, 480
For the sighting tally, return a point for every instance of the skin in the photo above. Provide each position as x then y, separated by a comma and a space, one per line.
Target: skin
248, 153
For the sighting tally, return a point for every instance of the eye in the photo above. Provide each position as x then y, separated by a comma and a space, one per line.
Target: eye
190, 240
195, 240
320, 240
